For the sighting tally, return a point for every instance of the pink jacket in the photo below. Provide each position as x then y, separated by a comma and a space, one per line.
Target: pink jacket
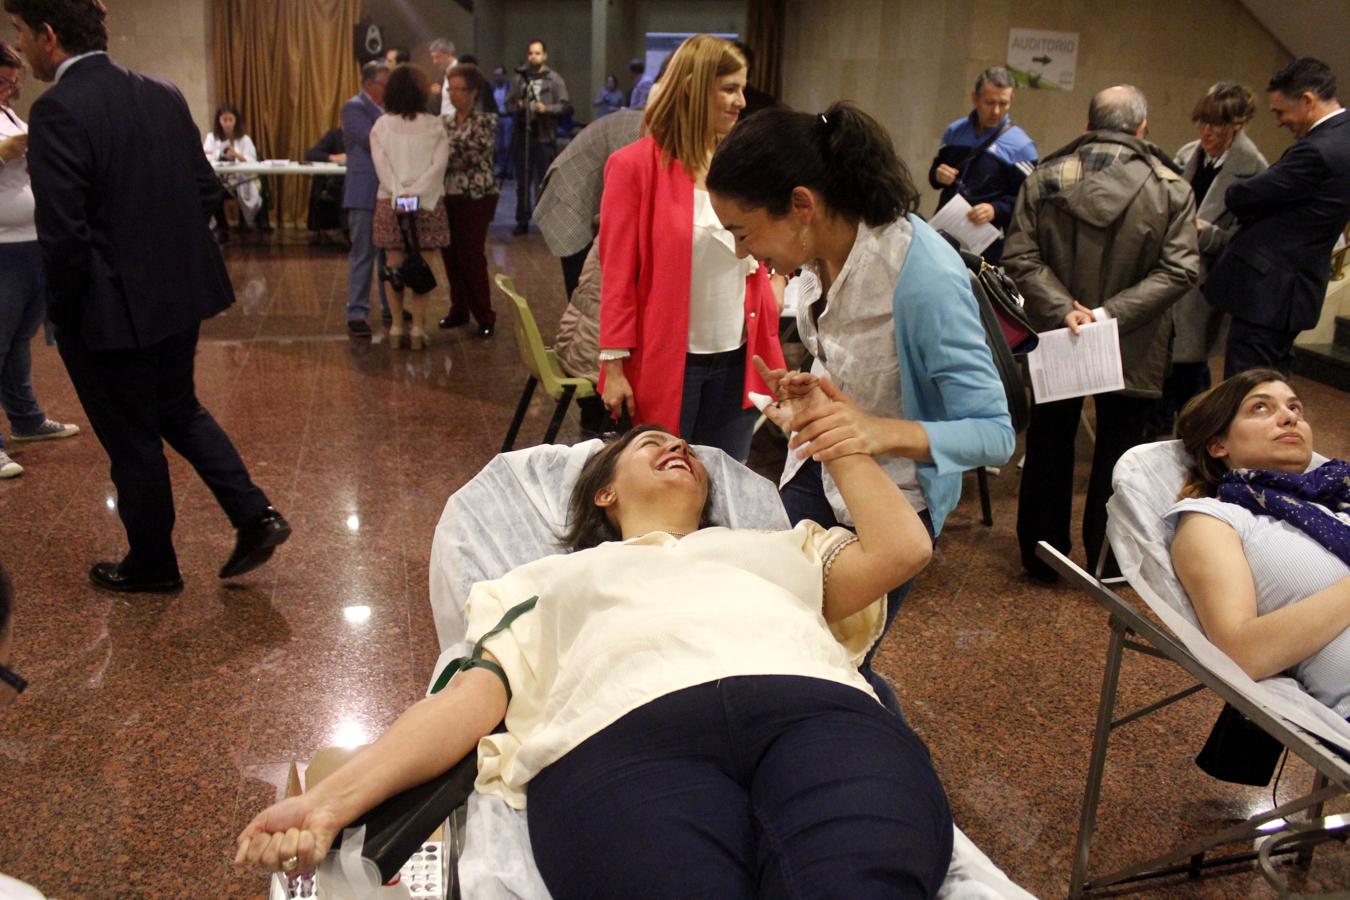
646, 251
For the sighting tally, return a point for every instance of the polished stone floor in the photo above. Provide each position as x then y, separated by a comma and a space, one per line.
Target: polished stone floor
155, 727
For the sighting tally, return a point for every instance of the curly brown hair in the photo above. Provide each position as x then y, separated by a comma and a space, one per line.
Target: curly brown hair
589, 525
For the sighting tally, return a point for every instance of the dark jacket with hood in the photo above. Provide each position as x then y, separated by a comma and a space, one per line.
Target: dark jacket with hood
1109, 222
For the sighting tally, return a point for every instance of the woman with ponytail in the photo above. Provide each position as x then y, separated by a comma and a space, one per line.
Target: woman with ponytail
886, 310
681, 313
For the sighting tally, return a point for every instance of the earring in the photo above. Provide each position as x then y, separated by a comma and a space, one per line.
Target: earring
801, 236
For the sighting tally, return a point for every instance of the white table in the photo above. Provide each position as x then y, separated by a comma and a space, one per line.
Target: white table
286, 167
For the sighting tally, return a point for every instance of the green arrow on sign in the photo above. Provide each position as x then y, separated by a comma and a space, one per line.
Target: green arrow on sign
1043, 60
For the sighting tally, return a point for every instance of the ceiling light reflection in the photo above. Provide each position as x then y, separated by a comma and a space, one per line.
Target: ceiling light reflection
110, 502
350, 733
357, 615
353, 522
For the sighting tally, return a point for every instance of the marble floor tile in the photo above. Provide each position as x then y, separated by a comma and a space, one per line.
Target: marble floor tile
155, 727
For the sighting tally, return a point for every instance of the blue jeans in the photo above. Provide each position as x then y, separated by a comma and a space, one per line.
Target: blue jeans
752, 786
23, 306
361, 263
711, 410
804, 498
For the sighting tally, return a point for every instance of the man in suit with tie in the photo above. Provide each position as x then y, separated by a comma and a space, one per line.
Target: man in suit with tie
1273, 276
358, 194
123, 198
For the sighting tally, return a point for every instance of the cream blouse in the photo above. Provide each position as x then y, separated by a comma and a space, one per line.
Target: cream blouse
625, 623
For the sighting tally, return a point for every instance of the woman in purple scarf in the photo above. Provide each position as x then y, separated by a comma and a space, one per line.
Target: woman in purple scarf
1262, 541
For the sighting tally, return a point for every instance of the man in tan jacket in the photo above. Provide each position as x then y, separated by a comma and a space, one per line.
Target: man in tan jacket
1103, 229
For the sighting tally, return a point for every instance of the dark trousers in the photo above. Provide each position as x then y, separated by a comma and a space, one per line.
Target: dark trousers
1252, 346
136, 400
1045, 501
572, 266
753, 786
804, 498
711, 409
466, 257
527, 183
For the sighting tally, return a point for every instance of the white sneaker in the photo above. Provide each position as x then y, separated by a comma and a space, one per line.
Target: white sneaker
47, 431
8, 467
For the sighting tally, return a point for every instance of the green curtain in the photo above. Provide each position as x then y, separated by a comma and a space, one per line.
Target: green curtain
288, 65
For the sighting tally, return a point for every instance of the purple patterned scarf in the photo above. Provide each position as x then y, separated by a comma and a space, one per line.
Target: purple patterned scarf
1290, 496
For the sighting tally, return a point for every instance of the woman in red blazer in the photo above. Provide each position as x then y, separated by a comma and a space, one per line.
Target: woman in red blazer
681, 316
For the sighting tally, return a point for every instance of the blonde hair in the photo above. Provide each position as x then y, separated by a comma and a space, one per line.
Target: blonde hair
678, 118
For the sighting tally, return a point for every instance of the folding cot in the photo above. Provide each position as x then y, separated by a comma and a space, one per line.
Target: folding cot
1146, 482
513, 512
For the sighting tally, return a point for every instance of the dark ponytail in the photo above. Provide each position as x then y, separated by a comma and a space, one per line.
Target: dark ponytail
843, 154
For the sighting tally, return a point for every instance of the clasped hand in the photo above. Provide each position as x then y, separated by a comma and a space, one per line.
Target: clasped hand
823, 422
298, 827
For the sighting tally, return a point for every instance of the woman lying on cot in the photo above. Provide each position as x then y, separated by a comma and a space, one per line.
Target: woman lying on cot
1262, 545
683, 708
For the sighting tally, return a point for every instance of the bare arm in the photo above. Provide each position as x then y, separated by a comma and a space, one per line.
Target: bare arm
430, 737
1208, 558
893, 544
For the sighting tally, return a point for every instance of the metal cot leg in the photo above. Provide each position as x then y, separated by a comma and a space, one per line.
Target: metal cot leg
1100, 736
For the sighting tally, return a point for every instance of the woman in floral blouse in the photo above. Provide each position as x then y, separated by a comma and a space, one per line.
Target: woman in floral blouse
471, 195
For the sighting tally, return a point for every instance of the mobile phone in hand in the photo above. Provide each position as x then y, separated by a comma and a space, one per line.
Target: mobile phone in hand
406, 204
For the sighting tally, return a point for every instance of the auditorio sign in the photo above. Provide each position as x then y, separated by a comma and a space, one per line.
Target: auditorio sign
1043, 59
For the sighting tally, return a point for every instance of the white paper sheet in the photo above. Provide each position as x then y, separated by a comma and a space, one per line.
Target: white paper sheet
1065, 364
952, 219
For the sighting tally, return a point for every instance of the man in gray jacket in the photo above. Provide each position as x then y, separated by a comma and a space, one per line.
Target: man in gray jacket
538, 100
1103, 229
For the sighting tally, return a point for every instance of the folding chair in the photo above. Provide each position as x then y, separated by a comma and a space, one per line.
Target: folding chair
1145, 481
543, 367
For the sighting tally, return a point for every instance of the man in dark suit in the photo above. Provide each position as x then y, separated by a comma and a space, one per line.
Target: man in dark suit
123, 197
358, 195
1273, 276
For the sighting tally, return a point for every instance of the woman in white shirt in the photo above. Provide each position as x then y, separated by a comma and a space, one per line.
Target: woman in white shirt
681, 701
410, 149
226, 142
1261, 543
681, 316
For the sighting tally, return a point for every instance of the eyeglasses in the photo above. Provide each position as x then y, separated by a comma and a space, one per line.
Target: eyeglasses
13, 679
9, 82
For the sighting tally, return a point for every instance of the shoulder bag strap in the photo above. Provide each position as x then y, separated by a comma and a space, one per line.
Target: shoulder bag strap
980, 151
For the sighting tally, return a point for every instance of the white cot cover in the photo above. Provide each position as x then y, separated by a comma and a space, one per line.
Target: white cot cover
1146, 481
515, 511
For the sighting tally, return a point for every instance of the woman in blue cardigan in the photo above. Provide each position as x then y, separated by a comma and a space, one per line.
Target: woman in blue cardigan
885, 309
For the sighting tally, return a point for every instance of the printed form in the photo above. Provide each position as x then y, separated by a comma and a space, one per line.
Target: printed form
952, 219
1065, 364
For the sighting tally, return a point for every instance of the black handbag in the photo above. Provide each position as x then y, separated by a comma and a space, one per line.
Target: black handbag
417, 275
1007, 331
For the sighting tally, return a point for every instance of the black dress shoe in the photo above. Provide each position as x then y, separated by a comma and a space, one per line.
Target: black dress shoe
521, 229
454, 322
358, 328
256, 543
485, 331
110, 577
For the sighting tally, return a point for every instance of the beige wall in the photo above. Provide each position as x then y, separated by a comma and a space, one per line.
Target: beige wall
169, 39
415, 23
912, 63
